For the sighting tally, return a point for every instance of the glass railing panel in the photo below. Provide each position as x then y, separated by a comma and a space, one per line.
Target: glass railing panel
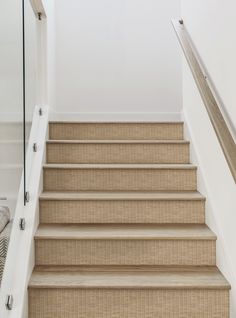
18, 98
11, 118
30, 72
11, 113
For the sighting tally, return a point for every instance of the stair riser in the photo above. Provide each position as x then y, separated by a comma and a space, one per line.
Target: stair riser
122, 211
117, 153
117, 303
125, 252
116, 131
119, 179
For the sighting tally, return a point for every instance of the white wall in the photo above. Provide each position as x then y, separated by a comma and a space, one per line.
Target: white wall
31, 60
116, 57
210, 24
49, 25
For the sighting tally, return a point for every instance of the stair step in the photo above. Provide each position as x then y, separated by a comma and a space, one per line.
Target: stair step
120, 177
122, 231
117, 151
124, 245
117, 130
170, 292
125, 207
129, 277
74, 196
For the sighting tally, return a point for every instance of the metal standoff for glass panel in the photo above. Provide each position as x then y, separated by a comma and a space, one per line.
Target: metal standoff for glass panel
9, 302
35, 147
27, 196
181, 21
40, 112
22, 224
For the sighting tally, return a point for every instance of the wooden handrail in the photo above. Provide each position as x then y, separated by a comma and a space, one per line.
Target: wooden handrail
217, 119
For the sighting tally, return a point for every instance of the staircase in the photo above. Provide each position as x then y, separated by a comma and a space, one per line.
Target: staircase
122, 231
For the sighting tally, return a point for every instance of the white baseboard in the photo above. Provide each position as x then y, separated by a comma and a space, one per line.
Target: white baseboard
115, 117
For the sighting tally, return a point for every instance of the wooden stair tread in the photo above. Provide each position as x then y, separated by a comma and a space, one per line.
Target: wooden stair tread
120, 141
123, 268
122, 166
183, 195
94, 231
168, 278
70, 122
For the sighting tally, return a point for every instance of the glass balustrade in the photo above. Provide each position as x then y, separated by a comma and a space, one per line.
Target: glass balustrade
18, 98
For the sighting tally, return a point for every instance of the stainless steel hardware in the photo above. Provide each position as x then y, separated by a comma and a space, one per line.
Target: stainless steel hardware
40, 112
22, 224
27, 196
35, 147
9, 302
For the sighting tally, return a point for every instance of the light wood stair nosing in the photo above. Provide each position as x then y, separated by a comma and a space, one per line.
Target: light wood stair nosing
117, 122
124, 232
171, 278
122, 166
122, 196
124, 268
121, 141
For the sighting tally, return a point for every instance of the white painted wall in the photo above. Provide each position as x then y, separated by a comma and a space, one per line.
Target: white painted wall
116, 57
31, 60
211, 27
49, 32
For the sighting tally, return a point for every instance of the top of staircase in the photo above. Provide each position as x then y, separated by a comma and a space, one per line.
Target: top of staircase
117, 141
115, 130
115, 122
